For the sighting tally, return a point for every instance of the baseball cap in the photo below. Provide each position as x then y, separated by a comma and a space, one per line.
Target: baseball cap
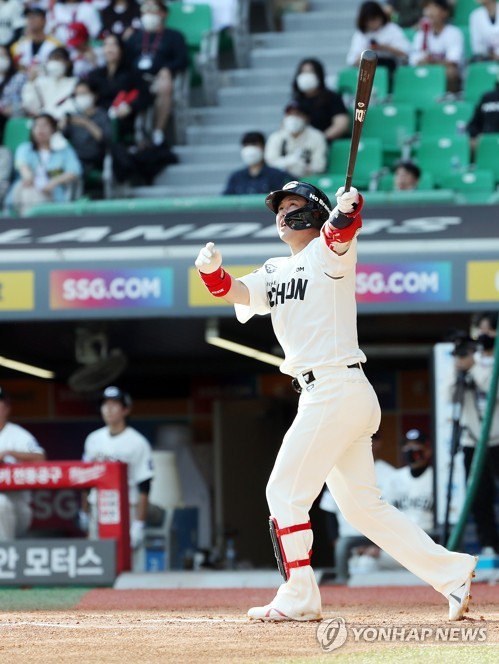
416, 436
113, 392
78, 34
4, 396
296, 105
34, 9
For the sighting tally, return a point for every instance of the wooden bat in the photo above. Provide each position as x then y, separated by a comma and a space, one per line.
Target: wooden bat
365, 80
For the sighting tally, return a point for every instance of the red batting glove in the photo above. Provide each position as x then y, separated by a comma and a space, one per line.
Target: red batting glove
342, 227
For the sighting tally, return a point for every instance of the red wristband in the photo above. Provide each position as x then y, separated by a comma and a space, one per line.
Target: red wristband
218, 282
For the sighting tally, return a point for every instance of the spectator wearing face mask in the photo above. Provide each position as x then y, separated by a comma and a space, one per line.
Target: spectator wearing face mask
296, 146
256, 177
50, 92
32, 50
84, 57
88, 128
325, 108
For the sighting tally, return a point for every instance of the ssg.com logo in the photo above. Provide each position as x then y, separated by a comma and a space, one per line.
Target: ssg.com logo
332, 634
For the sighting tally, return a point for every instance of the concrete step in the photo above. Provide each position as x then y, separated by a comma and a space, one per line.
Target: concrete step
220, 135
254, 96
275, 77
303, 40
208, 154
289, 58
253, 115
181, 174
320, 20
186, 190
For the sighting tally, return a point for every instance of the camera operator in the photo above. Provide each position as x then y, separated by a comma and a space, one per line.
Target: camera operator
473, 362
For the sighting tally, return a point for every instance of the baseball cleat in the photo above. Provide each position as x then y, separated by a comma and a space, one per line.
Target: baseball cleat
269, 613
459, 599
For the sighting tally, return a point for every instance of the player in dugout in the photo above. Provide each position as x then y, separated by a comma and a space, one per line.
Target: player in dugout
310, 295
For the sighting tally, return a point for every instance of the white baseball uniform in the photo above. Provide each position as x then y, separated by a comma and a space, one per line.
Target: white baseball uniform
311, 299
15, 508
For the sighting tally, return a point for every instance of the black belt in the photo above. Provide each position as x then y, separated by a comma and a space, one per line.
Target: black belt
309, 377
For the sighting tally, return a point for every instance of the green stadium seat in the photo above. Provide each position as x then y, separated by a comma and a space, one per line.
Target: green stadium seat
17, 131
480, 77
487, 151
328, 183
438, 156
394, 124
385, 183
479, 180
347, 82
421, 85
445, 119
462, 11
369, 160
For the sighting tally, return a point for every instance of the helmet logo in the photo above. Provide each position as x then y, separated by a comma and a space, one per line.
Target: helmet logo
291, 185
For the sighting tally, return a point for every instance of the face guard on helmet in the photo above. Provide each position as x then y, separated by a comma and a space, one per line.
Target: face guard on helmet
311, 215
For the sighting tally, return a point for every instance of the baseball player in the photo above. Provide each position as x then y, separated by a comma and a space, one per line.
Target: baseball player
310, 296
119, 442
16, 446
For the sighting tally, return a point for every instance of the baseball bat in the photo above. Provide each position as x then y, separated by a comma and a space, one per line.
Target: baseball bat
365, 80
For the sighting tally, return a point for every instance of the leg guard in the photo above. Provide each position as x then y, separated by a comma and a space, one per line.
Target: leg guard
276, 533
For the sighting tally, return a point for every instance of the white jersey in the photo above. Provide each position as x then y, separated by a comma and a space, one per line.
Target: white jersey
484, 34
15, 438
62, 14
130, 447
319, 329
414, 496
447, 45
384, 479
391, 34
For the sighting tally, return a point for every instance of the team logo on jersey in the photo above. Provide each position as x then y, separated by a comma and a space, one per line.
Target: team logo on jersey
294, 289
269, 268
300, 269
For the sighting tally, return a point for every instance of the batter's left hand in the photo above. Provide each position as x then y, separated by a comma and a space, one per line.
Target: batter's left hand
347, 201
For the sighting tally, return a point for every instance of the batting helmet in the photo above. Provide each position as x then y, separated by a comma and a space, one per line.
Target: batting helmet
312, 215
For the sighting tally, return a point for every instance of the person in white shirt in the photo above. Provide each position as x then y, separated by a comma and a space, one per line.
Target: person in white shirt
439, 42
17, 445
65, 12
484, 30
117, 441
297, 147
310, 296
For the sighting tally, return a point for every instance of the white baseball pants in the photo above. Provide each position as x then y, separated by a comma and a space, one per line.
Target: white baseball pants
15, 516
330, 441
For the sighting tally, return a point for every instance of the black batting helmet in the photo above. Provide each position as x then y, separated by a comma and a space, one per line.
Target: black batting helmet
312, 215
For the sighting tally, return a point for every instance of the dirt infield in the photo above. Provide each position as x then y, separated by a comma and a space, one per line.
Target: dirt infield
210, 626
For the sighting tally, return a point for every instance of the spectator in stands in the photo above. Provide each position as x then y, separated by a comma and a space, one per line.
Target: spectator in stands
121, 17
405, 13
11, 21
485, 119
375, 31
296, 146
11, 85
117, 441
406, 176
46, 167
439, 42
120, 89
412, 492
256, 177
50, 92
157, 54
83, 55
31, 51
16, 446
484, 31
325, 108
65, 12
88, 128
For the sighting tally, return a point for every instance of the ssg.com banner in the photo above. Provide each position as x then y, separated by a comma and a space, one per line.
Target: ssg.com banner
404, 282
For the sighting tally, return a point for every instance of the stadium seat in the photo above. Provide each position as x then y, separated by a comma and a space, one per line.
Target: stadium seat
480, 77
446, 119
462, 11
17, 131
385, 183
394, 124
487, 151
438, 156
420, 85
328, 183
369, 160
479, 181
347, 82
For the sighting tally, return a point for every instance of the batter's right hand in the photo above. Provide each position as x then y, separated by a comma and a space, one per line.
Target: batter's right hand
209, 259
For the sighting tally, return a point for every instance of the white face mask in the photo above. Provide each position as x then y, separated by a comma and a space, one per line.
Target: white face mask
4, 63
55, 68
151, 22
251, 155
293, 124
307, 81
84, 102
